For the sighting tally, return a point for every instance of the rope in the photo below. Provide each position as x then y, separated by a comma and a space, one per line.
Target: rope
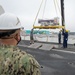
38, 13
44, 8
55, 6
58, 7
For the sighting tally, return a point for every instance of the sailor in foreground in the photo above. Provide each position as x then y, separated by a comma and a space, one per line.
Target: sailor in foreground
14, 61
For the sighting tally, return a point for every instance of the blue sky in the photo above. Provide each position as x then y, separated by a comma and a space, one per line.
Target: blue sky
26, 10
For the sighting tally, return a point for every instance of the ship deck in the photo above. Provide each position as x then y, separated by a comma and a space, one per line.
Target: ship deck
54, 59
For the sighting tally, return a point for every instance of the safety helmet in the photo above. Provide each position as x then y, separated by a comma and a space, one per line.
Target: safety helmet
66, 30
9, 22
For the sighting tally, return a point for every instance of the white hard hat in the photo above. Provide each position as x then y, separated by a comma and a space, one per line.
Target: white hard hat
9, 22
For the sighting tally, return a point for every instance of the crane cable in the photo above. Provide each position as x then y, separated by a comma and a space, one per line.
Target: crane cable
58, 8
38, 13
59, 11
55, 6
44, 9
56, 3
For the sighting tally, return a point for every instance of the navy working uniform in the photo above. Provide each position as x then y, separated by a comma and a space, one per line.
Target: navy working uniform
65, 39
14, 61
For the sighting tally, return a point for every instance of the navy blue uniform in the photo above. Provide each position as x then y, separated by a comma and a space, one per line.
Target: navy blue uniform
59, 37
65, 39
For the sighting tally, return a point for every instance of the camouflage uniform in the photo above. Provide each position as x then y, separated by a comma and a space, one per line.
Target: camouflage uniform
13, 61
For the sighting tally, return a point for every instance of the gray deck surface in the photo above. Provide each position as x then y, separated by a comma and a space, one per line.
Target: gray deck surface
54, 61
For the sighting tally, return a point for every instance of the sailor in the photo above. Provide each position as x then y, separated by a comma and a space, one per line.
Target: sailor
14, 61
31, 36
59, 37
65, 38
